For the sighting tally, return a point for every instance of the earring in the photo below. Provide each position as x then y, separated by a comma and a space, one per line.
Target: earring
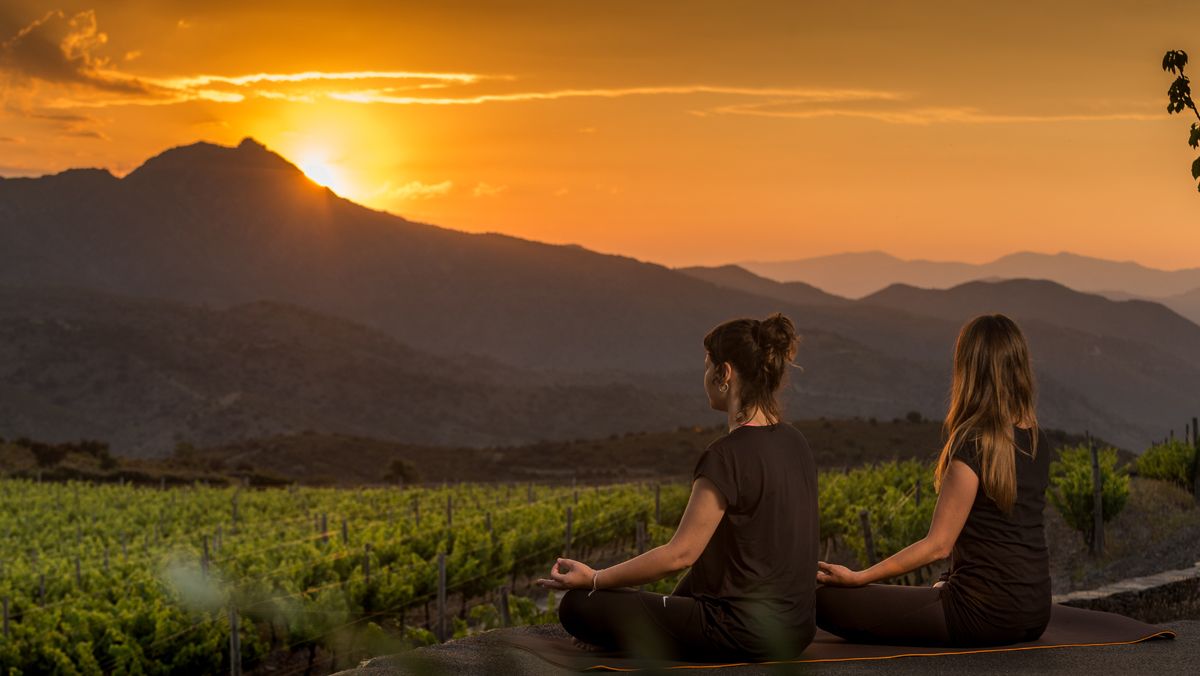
724, 387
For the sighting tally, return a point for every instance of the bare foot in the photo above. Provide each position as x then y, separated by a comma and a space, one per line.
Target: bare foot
583, 645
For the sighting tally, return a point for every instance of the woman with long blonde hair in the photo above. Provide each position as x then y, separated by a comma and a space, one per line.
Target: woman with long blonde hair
991, 479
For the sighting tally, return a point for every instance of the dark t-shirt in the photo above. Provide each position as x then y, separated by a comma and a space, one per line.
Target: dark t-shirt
756, 578
998, 587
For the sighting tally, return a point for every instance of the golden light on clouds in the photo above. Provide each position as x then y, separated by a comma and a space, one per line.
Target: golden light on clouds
931, 130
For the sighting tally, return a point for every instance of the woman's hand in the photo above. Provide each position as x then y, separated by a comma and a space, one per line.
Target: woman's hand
837, 576
568, 574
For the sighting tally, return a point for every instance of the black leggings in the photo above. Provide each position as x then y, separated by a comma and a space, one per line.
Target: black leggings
884, 613
640, 623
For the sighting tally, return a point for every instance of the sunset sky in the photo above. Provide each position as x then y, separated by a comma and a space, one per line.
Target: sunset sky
680, 133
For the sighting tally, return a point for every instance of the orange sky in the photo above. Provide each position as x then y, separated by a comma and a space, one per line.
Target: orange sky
682, 133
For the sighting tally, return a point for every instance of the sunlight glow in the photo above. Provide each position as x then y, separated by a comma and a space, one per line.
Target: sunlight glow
323, 173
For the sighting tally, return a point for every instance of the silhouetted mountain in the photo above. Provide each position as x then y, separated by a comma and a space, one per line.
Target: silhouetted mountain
857, 274
736, 277
1026, 299
232, 226
146, 374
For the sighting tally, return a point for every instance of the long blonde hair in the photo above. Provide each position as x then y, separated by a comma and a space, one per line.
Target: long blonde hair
992, 389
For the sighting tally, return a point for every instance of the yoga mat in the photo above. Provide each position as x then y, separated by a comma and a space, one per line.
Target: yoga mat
1069, 627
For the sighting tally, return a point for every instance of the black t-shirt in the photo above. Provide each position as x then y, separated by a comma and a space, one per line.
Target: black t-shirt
998, 587
756, 578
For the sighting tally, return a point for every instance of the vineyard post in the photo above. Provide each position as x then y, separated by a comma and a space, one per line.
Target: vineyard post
345, 532
235, 652
504, 618
235, 518
1195, 461
864, 518
417, 510
488, 517
449, 511
367, 566
657, 504
220, 536
1097, 499
577, 496
918, 493
441, 597
324, 528
570, 522
639, 536
162, 483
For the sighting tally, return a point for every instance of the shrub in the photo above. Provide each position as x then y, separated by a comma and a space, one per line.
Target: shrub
914, 417
1172, 461
1071, 487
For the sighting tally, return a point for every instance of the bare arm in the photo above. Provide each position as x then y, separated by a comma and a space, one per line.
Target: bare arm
953, 506
704, 510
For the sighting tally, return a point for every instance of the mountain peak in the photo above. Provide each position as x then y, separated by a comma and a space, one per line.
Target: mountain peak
204, 156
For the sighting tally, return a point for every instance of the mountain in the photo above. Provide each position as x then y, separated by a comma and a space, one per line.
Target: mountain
147, 374
857, 274
1028, 299
541, 340
735, 277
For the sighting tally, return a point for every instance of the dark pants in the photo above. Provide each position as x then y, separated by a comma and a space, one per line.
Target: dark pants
884, 613
640, 623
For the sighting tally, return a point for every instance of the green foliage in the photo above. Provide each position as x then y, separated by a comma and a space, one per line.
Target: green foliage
889, 493
1172, 461
1071, 490
1179, 98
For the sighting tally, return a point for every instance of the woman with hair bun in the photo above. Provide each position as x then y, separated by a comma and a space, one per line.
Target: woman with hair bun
748, 533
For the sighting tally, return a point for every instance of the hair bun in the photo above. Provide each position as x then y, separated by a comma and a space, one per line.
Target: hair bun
776, 335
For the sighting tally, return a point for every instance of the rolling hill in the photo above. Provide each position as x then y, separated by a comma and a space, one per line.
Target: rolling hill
857, 274
522, 340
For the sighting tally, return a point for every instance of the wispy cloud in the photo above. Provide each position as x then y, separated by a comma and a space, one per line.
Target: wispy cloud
63, 52
913, 115
488, 190
816, 95
413, 190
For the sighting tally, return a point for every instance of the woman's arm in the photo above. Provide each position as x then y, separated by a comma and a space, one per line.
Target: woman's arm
704, 510
953, 505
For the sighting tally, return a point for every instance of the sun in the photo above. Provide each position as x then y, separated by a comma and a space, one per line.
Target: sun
323, 173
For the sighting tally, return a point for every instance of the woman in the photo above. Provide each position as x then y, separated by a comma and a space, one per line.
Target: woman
991, 479
749, 531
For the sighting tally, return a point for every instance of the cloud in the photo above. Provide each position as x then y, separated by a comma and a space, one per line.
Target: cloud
56, 49
414, 190
488, 190
72, 124
807, 94
912, 115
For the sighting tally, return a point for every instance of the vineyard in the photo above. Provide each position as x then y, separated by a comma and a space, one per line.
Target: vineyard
116, 578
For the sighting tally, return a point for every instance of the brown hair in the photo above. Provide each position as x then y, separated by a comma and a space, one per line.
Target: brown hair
992, 389
760, 351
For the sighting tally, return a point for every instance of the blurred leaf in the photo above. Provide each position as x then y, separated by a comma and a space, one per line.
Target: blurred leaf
1196, 168
1194, 137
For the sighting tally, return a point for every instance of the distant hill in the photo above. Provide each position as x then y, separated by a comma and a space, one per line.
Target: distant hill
553, 342
735, 277
857, 274
146, 375
1134, 320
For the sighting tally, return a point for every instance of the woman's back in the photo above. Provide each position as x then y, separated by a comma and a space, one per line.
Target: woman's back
757, 576
998, 587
